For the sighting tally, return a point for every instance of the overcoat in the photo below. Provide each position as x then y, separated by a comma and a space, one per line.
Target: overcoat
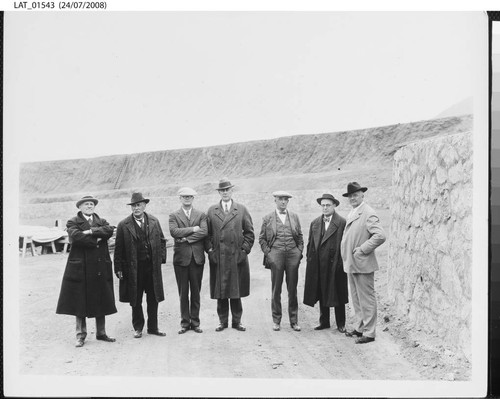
87, 286
194, 246
363, 230
125, 257
268, 233
324, 263
231, 237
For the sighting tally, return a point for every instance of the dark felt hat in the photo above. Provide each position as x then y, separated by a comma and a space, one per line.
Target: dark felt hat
136, 198
328, 197
85, 199
352, 187
223, 184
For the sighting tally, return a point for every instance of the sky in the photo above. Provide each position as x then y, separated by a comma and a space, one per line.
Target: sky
81, 85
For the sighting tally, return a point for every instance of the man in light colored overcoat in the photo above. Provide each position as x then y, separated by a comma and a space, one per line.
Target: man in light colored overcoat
282, 242
363, 233
188, 227
231, 237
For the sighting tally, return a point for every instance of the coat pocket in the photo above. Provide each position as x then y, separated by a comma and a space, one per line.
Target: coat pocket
74, 270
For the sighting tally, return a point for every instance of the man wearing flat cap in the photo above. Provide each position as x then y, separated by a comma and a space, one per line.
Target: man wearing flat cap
188, 227
87, 286
282, 243
230, 240
140, 250
326, 280
363, 233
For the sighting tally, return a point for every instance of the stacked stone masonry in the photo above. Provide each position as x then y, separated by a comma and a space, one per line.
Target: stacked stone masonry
430, 248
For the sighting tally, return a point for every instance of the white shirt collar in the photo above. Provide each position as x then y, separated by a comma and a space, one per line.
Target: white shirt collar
229, 204
355, 210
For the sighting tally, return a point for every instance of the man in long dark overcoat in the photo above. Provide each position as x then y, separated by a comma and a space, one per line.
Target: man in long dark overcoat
326, 280
230, 240
87, 286
140, 250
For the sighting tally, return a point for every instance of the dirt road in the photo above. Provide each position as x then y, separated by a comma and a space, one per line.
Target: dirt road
47, 348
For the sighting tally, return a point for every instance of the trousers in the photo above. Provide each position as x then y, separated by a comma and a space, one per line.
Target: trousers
284, 263
362, 286
81, 327
223, 310
145, 285
189, 280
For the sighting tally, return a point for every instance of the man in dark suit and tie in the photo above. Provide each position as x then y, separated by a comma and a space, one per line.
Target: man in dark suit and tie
140, 250
188, 227
282, 243
326, 280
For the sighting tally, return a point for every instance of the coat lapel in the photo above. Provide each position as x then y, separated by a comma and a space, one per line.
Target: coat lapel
182, 216
232, 214
130, 226
316, 228
356, 215
332, 227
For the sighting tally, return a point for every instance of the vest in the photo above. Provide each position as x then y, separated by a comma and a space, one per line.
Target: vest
143, 245
284, 238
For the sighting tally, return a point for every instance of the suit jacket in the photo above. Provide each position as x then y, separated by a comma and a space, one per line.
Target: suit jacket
125, 257
363, 230
324, 264
268, 232
180, 227
231, 237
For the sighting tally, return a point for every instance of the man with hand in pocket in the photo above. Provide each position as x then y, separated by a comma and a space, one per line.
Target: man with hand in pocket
282, 242
87, 286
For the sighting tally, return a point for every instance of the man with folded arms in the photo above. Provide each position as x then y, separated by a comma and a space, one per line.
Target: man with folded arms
282, 243
188, 227
140, 250
363, 233
87, 286
230, 240
326, 280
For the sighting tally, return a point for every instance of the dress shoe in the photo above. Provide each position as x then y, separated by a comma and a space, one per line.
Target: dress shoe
137, 334
295, 327
105, 338
221, 327
197, 329
239, 327
342, 330
353, 333
322, 327
364, 340
79, 343
157, 333
276, 327
183, 330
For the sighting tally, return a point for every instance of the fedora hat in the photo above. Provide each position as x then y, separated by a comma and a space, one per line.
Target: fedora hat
352, 187
85, 199
223, 184
186, 191
137, 197
328, 197
282, 193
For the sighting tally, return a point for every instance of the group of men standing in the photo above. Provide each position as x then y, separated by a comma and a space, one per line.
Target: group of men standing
338, 251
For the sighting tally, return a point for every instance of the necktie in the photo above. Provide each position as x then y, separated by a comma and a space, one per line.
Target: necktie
226, 208
139, 222
326, 220
188, 214
283, 213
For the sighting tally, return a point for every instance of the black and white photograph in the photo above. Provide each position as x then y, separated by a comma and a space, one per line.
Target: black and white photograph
281, 203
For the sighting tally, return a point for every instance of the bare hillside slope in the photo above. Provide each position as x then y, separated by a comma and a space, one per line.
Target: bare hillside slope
314, 156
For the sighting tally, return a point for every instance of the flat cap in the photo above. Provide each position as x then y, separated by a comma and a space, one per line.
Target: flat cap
282, 193
187, 191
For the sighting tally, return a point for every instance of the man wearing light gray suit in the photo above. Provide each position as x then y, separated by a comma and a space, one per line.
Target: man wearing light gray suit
188, 227
282, 242
363, 233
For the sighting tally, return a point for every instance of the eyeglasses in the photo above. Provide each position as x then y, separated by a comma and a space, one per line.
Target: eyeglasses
187, 196
223, 190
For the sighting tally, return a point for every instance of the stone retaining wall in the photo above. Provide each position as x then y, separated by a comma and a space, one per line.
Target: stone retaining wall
430, 248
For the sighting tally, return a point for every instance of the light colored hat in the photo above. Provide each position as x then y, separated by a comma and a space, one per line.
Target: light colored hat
85, 199
184, 191
282, 193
